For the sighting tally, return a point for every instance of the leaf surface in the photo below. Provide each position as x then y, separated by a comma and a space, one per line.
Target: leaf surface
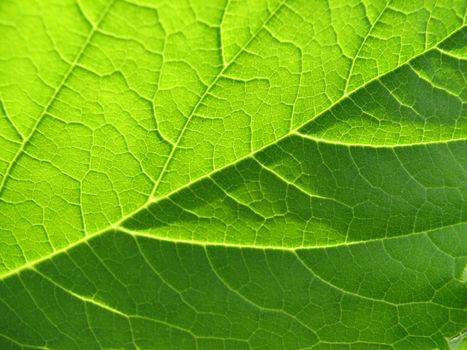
232, 175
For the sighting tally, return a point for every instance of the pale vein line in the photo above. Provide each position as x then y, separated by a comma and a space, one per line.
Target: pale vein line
10, 121
434, 84
357, 342
54, 95
221, 46
109, 308
368, 145
97, 303
450, 54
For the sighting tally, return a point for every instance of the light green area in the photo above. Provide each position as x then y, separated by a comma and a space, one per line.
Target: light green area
232, 174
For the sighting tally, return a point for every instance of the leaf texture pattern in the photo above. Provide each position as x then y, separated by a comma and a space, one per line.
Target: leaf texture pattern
233, 174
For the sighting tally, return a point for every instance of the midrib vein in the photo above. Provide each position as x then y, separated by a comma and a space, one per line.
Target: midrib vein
117, 225
59, 87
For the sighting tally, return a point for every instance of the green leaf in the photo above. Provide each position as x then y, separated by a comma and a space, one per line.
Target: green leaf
233, 174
